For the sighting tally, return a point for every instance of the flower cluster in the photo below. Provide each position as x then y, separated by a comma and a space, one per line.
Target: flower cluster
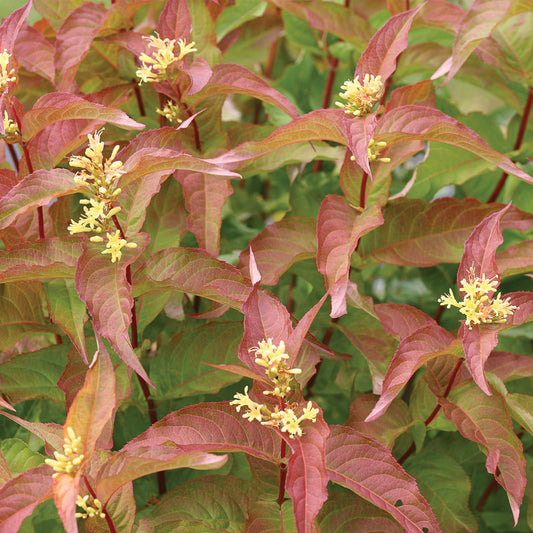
273, 359
100, 178
373, 151
361, 97
171, 112
90, 510
6, 74
69, 461
11, 130
479, 304
154, 67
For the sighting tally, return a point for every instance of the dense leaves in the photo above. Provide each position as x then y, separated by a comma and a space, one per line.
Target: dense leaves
265, 266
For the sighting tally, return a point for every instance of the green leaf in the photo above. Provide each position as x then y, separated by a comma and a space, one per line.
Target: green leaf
19, 456
447, 488
237, 14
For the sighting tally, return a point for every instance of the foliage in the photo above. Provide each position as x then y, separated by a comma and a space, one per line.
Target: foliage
208, 250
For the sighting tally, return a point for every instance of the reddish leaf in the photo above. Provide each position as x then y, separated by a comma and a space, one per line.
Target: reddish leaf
484, 419
369, 469
66, 489
415, 122
11, 26
204, 198
386, 45
193, 271
424, 344
35, 53
359, 132
524, 313
233, 78
421, 93
20, 495
109, 300
515, 259
388, 427
73, 42
37, 189
509, 366
419, 233
339, 228
307, 477
482, 17
50, 433
55, 107
175, 21
401, 319
280, 245
54, 257
94, 404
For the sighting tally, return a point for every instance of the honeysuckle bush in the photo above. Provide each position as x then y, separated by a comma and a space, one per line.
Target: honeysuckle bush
265, 266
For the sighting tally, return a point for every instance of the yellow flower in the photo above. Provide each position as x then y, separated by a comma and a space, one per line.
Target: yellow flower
6, 75
115, 244
373, 151
11, 129
69, 461
93, 509
479, 305
171, 112
154, 67
361, 98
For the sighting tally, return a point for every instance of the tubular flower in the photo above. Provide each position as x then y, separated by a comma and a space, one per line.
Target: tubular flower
171, 112
69, 461
479, 304
11, 129
373, 151
90, 510
154, 67
7, 75
361, 98
273, 359
99, 177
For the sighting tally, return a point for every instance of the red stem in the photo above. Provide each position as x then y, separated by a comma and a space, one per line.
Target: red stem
14, 156
139, 98
108, 519
362, 192
40, 212
435, 411
518, 143
268, 73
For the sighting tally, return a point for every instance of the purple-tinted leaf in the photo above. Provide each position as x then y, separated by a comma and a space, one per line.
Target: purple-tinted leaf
412, 122
516, 259
386, 45
175, 21
401, 319
280, 245
54, 257
203, 502
193, 271
481, 246
508, 366
348, 24
233, 78
481, 19
35, 53
20, 495
420, 233
307, 477
478, 344
56, 107
265, 317
524, 313
265, 516
73, 42
37, 189
204, 198
339, 228
347, 513
421, 93
322, 124
387, 428
195, 430
66, 489
359, 132
95, 402
11, 26
484, 419
369, 469
109, 300
424, 344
